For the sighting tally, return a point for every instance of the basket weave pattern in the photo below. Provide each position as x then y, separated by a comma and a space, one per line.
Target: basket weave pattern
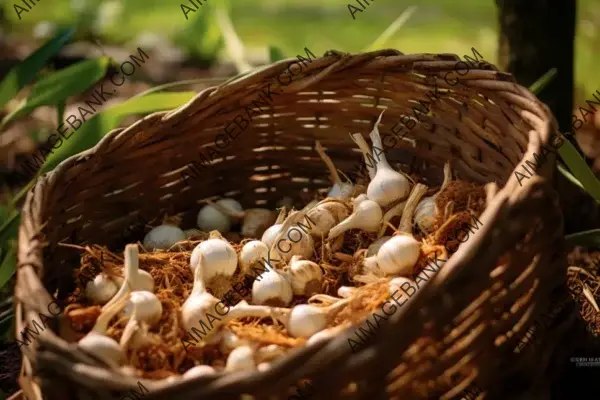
460, 330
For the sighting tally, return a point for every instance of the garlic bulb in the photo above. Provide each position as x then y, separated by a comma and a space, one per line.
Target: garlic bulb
305, 276
398, 255
146, 306
358, 199
271, 233
271, 289
325, 215
163, 237
230, 341
326, 334
101, 289
199, 302
366, 217
305, 320
376, 245
219, 216
241, 359
285, 247
269, 353
341, 190
143, 309
98, 344
426, 211
253, 253
199, 370
388, 186
220, 257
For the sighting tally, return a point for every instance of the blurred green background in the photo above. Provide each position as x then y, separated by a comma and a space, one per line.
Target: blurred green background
437, 25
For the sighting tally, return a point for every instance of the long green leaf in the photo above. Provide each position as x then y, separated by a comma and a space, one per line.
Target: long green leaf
233, 44
100, 124
55, 88
22, 74
393, 28
569, 175
585, 239
8, 264
579, 168
542, 81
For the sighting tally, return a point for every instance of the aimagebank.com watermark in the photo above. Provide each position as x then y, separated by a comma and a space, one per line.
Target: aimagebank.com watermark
586, 361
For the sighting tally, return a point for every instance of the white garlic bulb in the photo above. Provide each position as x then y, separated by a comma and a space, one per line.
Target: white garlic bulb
366, 217
305, 276
147, 306
294, 242
101, 289
399, 255
230, 341
271, 289
163, 237
241, 359
388, 186
270, 234
210, 218
98, 344
426, 211
358, 199
220, 257
253, 253
305, 320
199, 370
376, 245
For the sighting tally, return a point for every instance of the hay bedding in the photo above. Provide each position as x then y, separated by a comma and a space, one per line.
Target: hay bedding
171, 351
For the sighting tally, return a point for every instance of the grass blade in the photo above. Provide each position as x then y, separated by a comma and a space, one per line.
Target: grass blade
8, 264
59, 86
589, 239
26, 71
537, 86
569, 176
233, 44
579, 168
100, 124
392, 29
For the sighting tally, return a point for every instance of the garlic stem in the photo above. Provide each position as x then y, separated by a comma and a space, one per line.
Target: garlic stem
366, 151
132, 265
376, 139
335, 177
447, 176
409, 209
396, 210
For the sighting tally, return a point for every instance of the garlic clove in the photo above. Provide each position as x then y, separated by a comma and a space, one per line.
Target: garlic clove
305, 277
425, 214
241, 359
199, 370
101, 289
271, 289
399, 255
366, 217
324, 221
163, 237
253, 253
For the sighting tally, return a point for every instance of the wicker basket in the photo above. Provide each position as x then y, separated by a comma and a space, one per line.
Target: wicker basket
460, 330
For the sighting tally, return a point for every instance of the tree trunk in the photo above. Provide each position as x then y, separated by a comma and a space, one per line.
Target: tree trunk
537, 35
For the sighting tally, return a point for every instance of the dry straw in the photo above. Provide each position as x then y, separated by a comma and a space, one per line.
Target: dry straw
460, 329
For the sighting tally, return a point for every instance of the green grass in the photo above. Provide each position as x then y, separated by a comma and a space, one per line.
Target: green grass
448, 26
